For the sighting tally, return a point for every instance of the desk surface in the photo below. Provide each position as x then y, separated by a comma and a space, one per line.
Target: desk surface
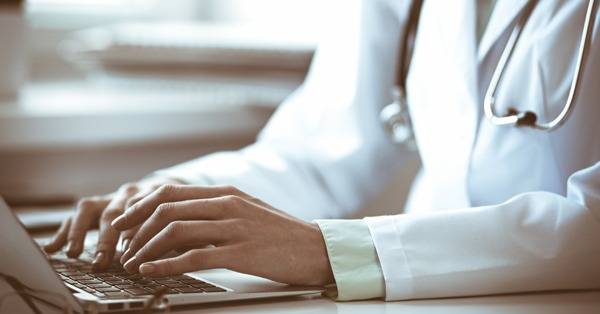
546, 303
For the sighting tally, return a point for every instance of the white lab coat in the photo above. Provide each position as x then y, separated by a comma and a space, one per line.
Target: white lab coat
493, 209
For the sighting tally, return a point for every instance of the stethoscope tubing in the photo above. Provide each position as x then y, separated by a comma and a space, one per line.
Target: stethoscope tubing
528, 118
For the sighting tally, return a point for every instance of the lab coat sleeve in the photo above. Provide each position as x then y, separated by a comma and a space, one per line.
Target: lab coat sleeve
324, 152
532, 242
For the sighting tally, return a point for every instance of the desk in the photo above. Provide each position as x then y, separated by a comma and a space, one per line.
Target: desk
573, 302
542, 303
546, 303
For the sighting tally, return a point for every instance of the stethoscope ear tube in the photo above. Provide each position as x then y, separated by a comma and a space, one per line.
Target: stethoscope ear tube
528, 118
396, 117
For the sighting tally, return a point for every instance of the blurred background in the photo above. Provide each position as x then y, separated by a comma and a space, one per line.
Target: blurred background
95, 93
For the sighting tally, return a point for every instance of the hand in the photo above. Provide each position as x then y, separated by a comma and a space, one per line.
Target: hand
100, 211
222, 227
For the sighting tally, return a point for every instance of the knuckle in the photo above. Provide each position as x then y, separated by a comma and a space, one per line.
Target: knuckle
86, 204
163, 211
234, 201
165, 190
130, 202
231, 190
175, 229
195, 257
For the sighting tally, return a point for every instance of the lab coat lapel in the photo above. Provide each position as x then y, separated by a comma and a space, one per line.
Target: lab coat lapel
446, 120
503, 15
457, 20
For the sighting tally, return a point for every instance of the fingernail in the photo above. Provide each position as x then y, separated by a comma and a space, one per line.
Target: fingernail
129, 263
126, 244
147, 269
99, 257
118, 221
72, 249
124, 257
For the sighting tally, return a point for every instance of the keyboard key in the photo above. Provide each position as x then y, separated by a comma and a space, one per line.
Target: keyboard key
138, 291
189, 290
176, 285
99, 294
114, 280
90, 281
117, 295
81, 277
162, 288
109, 289
141, 281
190, 280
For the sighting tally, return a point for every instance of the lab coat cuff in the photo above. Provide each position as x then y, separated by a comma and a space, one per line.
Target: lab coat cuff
353, 260
390, 251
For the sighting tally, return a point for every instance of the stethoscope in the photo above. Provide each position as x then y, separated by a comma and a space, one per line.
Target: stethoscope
396, 117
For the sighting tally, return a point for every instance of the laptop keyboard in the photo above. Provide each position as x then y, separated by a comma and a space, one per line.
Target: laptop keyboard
116, 283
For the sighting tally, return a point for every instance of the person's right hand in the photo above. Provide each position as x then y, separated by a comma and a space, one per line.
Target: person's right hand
100, 211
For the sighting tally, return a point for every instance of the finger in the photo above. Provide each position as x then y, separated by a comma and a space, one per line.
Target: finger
176, 235
206, 209
166, 194
108, 237
141, 195
60, 237
126, 237
88, 212
190, 261
128, 234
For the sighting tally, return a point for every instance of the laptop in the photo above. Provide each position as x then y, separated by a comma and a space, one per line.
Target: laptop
72, 282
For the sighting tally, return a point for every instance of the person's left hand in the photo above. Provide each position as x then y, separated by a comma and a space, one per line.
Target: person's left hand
222, 227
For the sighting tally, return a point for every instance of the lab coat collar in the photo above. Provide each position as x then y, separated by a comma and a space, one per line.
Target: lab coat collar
503, 15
